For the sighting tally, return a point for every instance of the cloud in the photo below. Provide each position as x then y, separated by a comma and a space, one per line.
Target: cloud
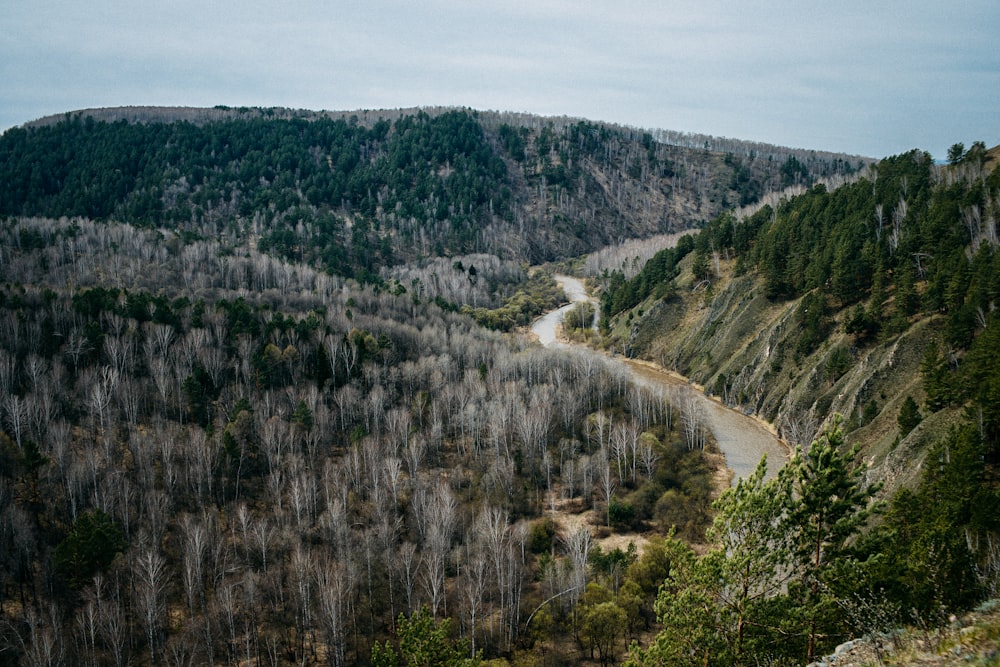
860, 77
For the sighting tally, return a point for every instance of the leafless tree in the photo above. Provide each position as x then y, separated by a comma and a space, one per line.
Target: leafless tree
578, 550
648, 457
334, 582
150, 572
113, 620
8, 373
473, 585
44, 645
606, 480
17, 415
194, 538
898, 216
692, 423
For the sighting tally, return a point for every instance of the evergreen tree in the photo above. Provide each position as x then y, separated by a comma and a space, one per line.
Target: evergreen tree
909, 416
423, 642
781, 565
831, 504
749, 560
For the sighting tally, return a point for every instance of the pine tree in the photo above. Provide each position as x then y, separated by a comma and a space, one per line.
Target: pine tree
909, 416
750, 557
718, 609
831, 504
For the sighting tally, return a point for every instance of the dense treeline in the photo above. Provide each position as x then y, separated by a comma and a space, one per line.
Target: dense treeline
912, 239
783, 568
654, 279
209, 455
353, 195
793, 570
275, 176
908, 244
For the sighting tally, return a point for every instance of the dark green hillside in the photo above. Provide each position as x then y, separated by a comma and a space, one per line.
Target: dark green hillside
335, 178
869, 311
909, 242
353, 195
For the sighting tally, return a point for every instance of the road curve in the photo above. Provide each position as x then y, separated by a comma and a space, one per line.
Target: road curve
742, 439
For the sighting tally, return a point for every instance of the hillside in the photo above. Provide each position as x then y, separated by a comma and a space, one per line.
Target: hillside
827, 302
250, 413
247, 420
355, 192
215, 455
869, 310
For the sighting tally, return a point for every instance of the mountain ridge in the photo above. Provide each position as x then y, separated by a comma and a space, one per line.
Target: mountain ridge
247, 417
355, 194
201, 115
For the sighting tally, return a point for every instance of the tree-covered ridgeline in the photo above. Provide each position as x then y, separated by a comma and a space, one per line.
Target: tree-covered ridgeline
909, 240
912, 240
907, 222
353, 196
910, 244
211, 455
335, 177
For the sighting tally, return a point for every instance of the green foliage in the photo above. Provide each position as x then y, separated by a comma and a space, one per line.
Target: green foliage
980, 380
861, 324
541, 536
620, 513
304, 178
603, 628
814, 323
831, 505
423, 642
302, 417
909, 416
90, 546
700, 266
199, 392
653, 280
539, 294
956, 152
580, 316
838, 363
938, 381
793, 172
747, 566
772, 581
930, 562
614, 561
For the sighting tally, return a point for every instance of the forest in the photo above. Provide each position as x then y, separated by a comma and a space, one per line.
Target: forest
907, 245
263, 397
261, 463
354, 195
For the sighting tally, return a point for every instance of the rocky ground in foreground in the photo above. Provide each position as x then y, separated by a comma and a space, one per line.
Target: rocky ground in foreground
973, 639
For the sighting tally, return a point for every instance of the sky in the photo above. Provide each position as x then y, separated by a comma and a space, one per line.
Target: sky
861, 77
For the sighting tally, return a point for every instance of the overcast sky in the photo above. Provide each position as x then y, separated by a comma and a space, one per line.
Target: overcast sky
869, 77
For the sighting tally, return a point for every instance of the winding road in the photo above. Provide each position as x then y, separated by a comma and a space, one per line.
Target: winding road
741, 438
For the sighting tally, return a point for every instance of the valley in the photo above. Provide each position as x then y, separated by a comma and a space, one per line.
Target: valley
266, 396
741, 439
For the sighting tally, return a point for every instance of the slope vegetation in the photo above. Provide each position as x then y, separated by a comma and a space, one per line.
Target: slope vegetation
830, 301
354, 193
869, 310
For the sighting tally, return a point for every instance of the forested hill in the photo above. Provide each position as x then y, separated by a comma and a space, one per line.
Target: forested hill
870, 309
826, 276
211, 455
352, 193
